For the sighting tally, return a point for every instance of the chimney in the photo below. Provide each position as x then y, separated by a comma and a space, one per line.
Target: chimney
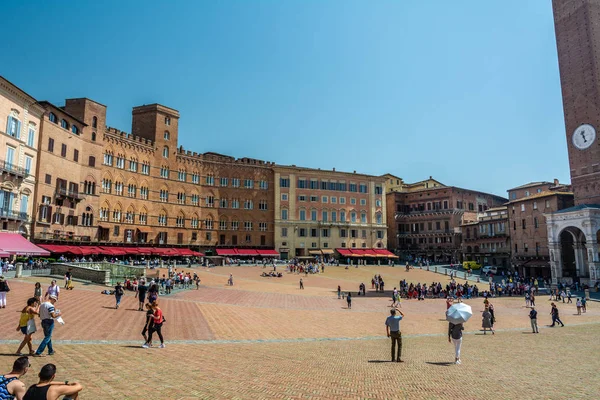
333, 169
555, 182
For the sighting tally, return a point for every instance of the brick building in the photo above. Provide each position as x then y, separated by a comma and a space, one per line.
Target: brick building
573, 233
427, 220
66, 198
318, 211
487, 240
20, 116
102, 185
530, 254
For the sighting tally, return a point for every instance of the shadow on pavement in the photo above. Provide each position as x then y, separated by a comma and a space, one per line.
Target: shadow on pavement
380, 361
441, 364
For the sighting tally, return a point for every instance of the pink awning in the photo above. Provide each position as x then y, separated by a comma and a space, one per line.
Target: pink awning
13, 243
268, 253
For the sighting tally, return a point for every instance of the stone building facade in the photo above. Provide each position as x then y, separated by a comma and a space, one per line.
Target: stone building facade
20, 121
427, 221
67, 192
530, 254
317, 211
486, 240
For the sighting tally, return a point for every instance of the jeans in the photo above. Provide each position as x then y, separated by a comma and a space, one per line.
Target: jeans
118, 299
534, 326
396, 337
555, 319
48, 327
457, 344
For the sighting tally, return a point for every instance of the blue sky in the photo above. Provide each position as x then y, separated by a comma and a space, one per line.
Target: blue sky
467, 91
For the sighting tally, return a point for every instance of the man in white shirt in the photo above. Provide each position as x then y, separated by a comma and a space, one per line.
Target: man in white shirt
47, 315
53, 290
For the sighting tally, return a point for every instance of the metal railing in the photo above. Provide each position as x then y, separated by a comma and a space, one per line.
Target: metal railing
69, 193
16, 215
13, 169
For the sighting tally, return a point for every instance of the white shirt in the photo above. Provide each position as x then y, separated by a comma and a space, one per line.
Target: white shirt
53, 290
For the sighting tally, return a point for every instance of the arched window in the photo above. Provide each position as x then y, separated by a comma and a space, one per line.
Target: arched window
64, 124
93, 136
94, 122
52, 118
167, 135
75, 130
167, 121
166, 152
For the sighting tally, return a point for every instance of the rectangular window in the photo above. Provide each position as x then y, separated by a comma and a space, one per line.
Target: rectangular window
314, 198
342, 200
302, 184
324, 199
333, 199
535, 205
31, 137
222, 202
145, 168
362, 188
248, 184
284, 197
284, 182
63, 150
264, 185
284, 214
523, 223
284, 232
302, 198
195, 178
535, 222
50, 145
235, 182
334, 216
48, 179
353, 187
314, 233
75, 155
522, 207
210, 180
343, 233
302, 232
302, 215
223, 182
313, 215
262, 226
28, 162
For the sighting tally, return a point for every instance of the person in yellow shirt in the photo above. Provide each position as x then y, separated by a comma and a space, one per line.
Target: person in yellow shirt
26, 327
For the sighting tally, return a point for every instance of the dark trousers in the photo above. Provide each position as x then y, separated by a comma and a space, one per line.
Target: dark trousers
158, 329
396, 337
555, 319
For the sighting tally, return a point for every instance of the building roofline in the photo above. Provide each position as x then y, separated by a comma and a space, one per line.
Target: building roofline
62, 110
531, 184
87, 98
155, 107
23, 93
541, 195
449, 187
308, 169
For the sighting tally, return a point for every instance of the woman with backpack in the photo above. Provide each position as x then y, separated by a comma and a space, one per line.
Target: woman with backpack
118, 294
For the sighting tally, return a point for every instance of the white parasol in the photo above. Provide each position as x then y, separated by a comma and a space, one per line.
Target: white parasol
459, 313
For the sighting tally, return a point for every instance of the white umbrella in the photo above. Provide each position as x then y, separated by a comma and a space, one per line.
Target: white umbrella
459, 313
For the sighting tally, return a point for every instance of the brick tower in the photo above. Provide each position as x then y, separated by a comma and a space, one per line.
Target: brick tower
577, 25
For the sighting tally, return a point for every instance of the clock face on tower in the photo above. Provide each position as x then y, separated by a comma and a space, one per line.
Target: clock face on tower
584, 136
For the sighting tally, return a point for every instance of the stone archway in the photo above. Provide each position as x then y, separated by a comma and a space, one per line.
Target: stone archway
573, 254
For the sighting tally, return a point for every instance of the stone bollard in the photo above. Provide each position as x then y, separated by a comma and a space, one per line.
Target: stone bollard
445, 271
19, 270
435, 270
478, 280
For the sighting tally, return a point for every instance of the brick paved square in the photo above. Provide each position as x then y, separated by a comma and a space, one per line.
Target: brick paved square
265, 338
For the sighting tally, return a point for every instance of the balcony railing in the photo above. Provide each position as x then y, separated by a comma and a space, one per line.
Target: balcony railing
63, 192
6, 167
14, 215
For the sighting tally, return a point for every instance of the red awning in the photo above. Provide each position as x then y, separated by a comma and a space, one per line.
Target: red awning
89, 250
184, 252
268, 253
113, 251
344, 252
145, 251
197, 254
384, 253
13, 243
74, 250
3, 254
247, 252
227, 252
54, 248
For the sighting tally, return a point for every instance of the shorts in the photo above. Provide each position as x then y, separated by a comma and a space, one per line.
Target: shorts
142, 298
24, 330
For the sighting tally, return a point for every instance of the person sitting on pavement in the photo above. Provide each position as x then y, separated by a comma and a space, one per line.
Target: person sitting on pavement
10, 385
46, 389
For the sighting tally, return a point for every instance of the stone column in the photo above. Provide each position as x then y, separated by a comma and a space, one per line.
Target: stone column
592, 258
580, 257
555, 262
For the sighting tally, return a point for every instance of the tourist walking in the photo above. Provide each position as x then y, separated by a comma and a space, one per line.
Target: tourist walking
27, 324
455, 337
10, 385
339, 292
141, 294
301, 284
583, 304
4, 289
47, 388
53, 290
157, 323
392, 327
47, 315
578, 304
486, 322
555, 317
533, 319
118, 294
349, 300
148, 324
230, 281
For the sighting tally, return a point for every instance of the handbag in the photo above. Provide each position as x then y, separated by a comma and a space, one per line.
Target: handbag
31, 326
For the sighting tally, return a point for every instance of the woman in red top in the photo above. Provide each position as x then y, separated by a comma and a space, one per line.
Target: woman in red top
159, 319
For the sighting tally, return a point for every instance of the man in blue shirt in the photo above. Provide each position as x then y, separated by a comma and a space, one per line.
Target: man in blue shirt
392, 326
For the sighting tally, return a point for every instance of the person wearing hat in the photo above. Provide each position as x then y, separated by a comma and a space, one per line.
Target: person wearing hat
533, 318
4, 288
47, 315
